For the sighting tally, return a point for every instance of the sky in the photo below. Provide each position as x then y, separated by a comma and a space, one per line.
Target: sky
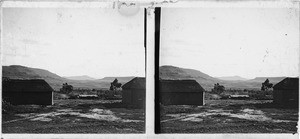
247, 42
97, 42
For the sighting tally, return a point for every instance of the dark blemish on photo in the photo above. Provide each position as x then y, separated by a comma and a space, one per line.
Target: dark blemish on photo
267, 52
128, 8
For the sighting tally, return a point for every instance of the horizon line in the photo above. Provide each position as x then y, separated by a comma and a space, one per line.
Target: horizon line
64, 76
233, 75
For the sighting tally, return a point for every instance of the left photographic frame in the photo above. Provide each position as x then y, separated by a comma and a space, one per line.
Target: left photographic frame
73, 70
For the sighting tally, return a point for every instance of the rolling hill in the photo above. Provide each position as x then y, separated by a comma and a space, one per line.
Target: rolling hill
207, 81
22, 72
165, 72
173, 73
54, 80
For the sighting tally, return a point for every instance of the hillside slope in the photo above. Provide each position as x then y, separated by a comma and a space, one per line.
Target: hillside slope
207, 81
22, 72
173, 73
55, 81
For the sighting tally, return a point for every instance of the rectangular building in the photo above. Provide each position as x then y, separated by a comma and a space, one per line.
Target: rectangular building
25, 92
134, 92
181, 92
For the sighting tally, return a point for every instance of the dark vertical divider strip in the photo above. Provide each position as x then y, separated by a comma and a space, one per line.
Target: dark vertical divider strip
145, 37
145, 46
156, 66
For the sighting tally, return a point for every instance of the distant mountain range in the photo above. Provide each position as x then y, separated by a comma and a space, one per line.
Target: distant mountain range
207, 81
165, 72
120, 79
232, 78
105, 79
55, 81
83, 77
271, 79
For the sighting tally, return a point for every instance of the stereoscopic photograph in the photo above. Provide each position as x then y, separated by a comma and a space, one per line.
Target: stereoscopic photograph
73, 70
220, 69
228, 70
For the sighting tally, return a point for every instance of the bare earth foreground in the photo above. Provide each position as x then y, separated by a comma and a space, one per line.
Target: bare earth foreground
74, 116
229, 116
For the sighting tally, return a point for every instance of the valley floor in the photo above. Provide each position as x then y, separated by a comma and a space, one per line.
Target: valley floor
229, 116
74, 116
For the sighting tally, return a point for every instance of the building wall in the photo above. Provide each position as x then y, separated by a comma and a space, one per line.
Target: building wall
138, 98
277, 96
134, 97
180, 98
126, 96
24, 98
286, 97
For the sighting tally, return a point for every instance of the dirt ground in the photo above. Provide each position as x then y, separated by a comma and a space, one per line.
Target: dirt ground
229, 116
74, 116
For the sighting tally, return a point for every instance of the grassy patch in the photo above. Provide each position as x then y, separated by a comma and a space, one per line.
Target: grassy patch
74, 116
229, 116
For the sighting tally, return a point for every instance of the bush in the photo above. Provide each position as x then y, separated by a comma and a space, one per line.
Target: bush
66, 88
73, 96
211, 96
261, 95
112, 95
253, 94
218, 89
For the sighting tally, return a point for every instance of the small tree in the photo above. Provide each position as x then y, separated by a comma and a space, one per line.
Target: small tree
265, 86
66, 88
218, 88
115, 85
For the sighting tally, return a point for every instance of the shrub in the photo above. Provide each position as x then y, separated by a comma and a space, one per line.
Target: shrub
218, 89
66, 88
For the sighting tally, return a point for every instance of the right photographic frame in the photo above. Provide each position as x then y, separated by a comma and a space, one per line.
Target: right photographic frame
227, 68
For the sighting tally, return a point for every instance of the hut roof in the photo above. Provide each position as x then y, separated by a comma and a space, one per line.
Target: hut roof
288, 84
180, 86
135, 83
33, 85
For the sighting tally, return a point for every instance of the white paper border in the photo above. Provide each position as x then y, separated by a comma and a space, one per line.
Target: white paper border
150, 4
